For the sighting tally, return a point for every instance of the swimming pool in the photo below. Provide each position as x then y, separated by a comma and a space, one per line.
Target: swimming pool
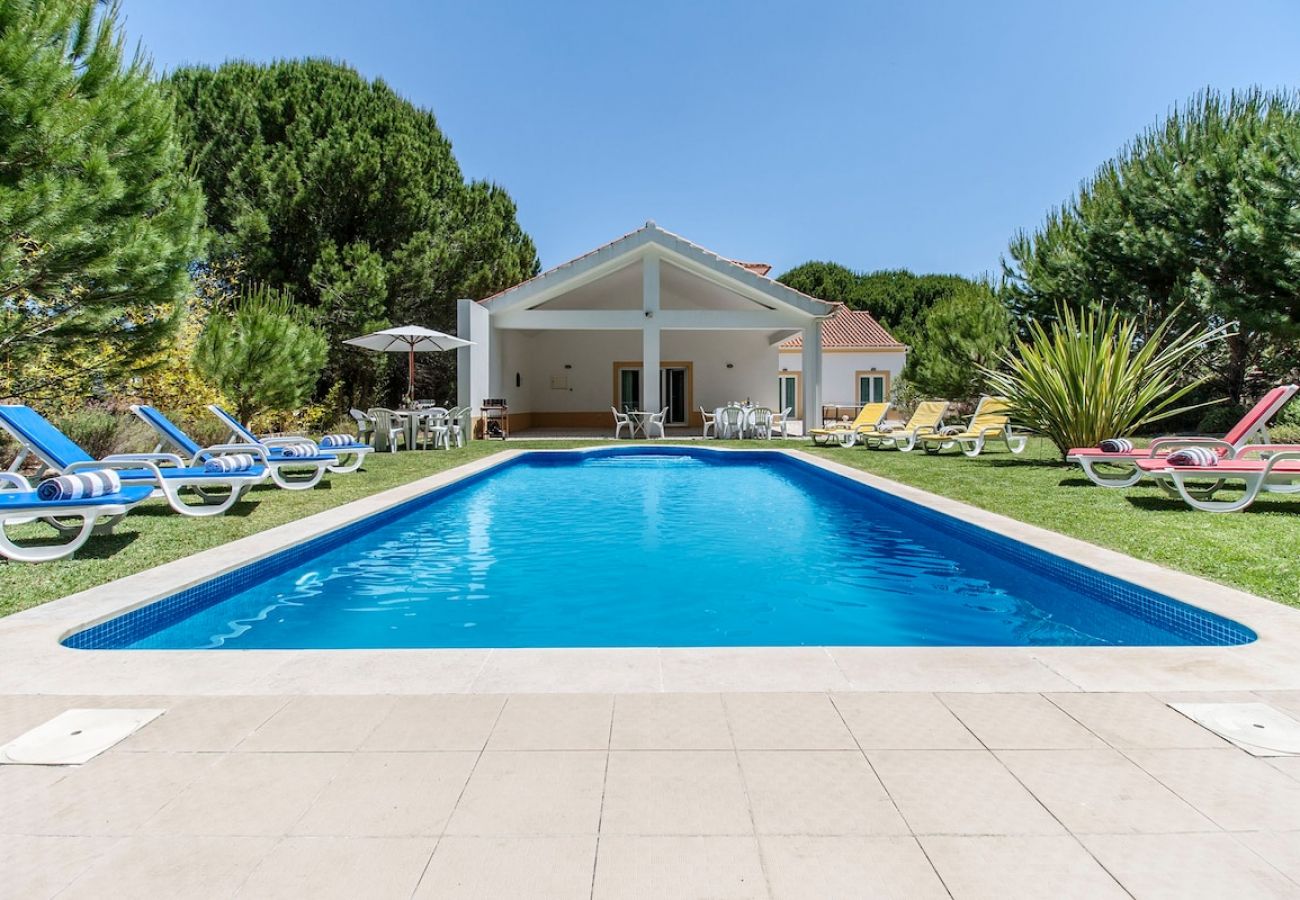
659, 547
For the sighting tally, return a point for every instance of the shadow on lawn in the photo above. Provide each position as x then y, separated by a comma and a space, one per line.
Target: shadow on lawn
162, 510
1168, 504
100, 546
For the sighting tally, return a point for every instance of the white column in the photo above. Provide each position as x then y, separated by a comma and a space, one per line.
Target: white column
812, 375
473, 363
650, 334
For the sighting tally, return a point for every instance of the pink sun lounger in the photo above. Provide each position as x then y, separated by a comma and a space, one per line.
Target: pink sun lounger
1252, 425
1261, 468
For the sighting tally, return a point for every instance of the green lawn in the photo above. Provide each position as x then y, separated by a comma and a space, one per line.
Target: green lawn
1258, 550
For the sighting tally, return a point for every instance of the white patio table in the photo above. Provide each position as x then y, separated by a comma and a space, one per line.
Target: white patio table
639, 418
411, 419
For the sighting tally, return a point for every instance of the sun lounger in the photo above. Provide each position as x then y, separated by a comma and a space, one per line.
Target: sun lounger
1261, 468
925, 419
171, 436
20, 504
165, 471
990, 422
1253, 425
867, 419
316, 463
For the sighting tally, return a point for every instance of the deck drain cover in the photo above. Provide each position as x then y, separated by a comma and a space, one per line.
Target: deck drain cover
75, 736
1257, 728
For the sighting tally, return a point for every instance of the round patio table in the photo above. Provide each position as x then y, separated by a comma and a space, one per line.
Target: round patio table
639, 419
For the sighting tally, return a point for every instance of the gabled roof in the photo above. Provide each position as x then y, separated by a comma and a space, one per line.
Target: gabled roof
744, 277
851, 329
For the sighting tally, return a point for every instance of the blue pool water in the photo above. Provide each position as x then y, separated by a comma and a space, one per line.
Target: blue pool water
629, 548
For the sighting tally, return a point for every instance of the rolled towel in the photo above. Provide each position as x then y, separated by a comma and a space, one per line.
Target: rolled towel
297, 450
337, 440
1200, 457
1116, 445
234, 462
80, 486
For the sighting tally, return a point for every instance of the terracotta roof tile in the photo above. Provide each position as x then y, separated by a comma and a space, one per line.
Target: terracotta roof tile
849, 329
756, 267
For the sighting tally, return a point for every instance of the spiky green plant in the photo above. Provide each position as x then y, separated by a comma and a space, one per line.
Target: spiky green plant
1093, 376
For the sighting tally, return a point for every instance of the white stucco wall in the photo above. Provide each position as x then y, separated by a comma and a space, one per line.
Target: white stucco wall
539, 357
839, 370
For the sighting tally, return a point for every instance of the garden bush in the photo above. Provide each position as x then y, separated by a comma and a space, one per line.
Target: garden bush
1284, 434
1218, 419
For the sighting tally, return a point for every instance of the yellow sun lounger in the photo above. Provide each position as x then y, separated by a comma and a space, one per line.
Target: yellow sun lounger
991, 422
868, 419
926, 419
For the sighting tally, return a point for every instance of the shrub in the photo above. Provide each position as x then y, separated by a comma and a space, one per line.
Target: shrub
101, 432
265, 357
1092, 378
1218, 419
1284, 434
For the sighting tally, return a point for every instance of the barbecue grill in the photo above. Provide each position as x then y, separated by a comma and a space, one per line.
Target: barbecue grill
495, 417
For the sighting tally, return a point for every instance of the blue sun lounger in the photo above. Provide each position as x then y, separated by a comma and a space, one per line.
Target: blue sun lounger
274, 445
165, 471
171, 436
19, 504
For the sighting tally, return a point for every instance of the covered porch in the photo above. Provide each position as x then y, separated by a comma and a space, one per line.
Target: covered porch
648, 322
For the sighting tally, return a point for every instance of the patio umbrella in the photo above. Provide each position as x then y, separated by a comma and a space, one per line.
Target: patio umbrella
412, 339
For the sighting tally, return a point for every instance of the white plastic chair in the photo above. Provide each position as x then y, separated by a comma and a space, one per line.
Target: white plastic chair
760, 422
781, 420
388, 428
710, 423
621, 421
657, 421
733, 422
452, 420
434, 428
365, 425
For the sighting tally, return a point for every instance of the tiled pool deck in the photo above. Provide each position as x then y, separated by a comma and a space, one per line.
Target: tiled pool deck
819, 772
807, 795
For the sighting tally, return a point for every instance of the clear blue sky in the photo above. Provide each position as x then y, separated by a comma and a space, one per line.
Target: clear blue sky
880, 135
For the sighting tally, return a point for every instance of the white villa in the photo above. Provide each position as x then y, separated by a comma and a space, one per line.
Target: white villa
564, 346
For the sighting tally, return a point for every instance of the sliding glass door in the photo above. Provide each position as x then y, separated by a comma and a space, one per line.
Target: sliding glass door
629, 389
672, 394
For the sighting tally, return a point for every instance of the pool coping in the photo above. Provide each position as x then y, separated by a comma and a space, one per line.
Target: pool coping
33, 661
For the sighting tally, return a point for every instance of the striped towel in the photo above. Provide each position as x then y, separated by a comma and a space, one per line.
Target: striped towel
337, 440
81, 486
235, 462
297, 450
1200, 457
1116, 445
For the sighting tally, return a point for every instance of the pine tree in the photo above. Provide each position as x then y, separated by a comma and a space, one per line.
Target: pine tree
265, 356
98, 220
1198, 215
961, 333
